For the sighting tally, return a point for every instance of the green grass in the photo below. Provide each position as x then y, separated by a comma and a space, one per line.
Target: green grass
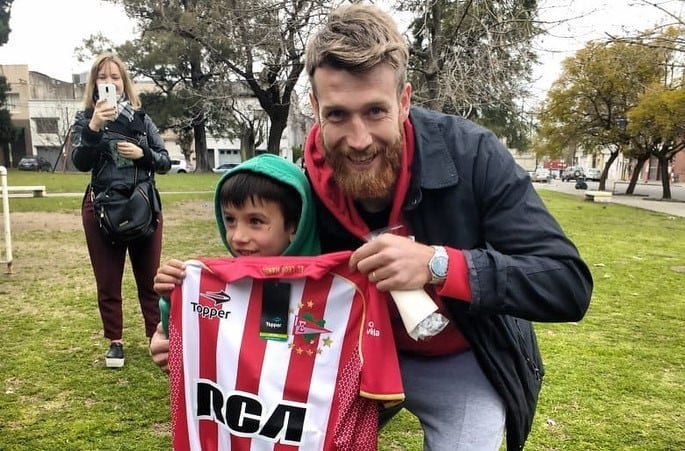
614, 380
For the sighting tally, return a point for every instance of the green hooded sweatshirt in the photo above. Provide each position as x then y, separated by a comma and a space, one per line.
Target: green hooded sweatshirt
306, 240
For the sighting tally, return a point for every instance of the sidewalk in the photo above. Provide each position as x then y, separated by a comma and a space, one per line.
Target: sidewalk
672, 208
646, 196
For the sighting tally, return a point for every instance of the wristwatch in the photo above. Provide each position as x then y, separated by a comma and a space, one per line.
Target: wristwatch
438, 265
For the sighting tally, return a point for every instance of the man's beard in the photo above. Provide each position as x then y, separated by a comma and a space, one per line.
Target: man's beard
367, 185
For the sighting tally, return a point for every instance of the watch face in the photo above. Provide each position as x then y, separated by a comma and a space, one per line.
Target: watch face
439, 266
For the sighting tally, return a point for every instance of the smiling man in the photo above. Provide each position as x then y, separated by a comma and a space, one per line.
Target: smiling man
473, 233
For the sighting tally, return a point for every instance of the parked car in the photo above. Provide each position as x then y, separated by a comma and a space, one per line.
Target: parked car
224, 167
178, 167
34, 164
593, 174
541, 175
573, 173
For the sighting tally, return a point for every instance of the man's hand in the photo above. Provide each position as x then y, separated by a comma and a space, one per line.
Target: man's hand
168, 275
159, 349
393, 262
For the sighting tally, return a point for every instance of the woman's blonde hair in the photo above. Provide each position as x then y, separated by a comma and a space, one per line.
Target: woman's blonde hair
90, 94
358, 38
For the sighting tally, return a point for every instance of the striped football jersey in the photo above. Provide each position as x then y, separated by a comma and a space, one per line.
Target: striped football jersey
315, 385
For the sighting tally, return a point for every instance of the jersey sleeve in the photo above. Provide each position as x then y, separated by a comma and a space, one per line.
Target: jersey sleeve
380, 378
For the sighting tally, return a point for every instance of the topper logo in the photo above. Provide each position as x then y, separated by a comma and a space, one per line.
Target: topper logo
245, 415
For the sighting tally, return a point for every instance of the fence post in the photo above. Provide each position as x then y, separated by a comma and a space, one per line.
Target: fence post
6, 220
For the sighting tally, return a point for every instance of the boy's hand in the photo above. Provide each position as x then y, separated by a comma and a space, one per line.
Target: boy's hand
168, 275
159, 349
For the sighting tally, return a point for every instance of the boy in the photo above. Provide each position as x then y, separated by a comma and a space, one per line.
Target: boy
263, 207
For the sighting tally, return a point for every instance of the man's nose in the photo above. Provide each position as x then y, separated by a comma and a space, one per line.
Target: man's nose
359, 136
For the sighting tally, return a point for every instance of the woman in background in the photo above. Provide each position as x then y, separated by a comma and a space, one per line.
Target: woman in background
118, 143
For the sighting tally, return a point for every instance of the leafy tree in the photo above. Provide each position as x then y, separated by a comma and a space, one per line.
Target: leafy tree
474, 58
588, 105
659, 121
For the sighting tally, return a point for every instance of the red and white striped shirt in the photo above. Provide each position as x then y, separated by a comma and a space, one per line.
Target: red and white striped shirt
317, 390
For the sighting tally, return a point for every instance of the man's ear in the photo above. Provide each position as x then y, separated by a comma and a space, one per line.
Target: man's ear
315, 107
405, 101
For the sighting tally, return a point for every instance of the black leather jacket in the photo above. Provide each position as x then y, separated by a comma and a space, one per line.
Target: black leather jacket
467, 192
91, 151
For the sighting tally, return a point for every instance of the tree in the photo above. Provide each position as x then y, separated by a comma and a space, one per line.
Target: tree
588, 105
7, 130
474, 58
227, 46
176, 67
659, 121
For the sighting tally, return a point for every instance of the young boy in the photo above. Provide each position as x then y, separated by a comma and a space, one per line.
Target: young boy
263, 207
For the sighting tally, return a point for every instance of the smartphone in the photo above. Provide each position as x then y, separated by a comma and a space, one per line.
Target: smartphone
108, 92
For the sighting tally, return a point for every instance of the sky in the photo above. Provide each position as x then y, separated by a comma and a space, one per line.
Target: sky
45, 33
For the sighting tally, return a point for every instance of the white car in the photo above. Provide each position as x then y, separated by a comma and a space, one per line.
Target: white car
541, 175
593, 174
178, 167
224, 167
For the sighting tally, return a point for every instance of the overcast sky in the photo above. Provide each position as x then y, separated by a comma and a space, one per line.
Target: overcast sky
46, 32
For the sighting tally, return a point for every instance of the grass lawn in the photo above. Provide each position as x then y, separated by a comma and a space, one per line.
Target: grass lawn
614, 381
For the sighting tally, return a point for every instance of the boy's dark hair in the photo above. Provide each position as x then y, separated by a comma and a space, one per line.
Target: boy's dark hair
244, 185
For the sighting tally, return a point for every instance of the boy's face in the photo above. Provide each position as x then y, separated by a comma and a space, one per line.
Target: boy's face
257, 228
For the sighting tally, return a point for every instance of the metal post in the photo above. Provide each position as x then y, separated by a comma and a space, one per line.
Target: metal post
6, 219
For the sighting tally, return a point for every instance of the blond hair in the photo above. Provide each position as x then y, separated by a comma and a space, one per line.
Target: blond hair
358, 38
90, 93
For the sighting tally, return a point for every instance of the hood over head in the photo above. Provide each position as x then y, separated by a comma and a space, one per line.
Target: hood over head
306, 240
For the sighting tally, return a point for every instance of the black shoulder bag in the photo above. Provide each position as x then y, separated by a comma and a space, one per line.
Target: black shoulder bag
127, 212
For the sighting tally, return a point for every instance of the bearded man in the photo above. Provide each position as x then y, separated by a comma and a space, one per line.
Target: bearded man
472, 232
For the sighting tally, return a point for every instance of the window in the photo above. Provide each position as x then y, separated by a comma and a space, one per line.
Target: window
12, 102
46, 124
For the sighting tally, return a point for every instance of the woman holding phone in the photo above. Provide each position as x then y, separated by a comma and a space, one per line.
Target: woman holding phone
117, 142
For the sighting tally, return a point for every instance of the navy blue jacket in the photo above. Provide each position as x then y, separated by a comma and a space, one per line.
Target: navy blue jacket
467, 192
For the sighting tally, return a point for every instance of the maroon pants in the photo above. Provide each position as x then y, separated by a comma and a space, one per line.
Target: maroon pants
108, 266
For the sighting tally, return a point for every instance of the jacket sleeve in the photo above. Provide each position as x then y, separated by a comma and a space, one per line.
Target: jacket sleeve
155, 156
527, 267
85, 149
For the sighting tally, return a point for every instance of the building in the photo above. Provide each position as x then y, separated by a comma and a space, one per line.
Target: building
43, 108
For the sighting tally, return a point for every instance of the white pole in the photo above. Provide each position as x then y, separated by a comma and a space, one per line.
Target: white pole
6, 218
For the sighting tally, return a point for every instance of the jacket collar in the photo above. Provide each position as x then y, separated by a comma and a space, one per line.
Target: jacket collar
433, 166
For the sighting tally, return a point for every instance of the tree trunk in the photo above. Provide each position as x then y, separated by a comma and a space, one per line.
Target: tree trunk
279, 121
665, 179
200, 134
247, 142
639, 163
603, 176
